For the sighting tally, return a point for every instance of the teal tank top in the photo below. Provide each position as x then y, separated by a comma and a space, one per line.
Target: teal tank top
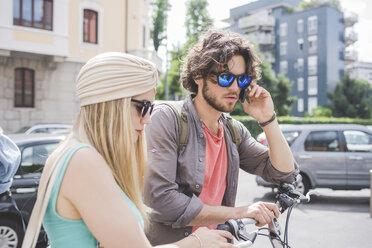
63, 232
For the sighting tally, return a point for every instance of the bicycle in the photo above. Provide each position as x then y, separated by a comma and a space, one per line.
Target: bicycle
286, 198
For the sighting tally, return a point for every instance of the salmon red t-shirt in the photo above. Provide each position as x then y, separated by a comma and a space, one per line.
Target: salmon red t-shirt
215, 169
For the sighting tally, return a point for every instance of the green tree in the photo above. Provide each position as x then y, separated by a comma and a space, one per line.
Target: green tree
351, 98
158, 32
316, 3
320, 112
197, 21
175, 89
283, 102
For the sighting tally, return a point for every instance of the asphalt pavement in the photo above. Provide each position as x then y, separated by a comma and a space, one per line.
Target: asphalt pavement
332, 219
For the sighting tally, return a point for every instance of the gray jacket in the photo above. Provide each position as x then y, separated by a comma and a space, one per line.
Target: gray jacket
174, 181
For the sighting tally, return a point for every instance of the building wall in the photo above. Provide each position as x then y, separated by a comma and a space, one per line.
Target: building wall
54, 93
57, 55
329, 53
360, 70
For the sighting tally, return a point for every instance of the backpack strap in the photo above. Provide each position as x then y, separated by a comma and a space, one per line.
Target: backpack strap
234, 129
183, 125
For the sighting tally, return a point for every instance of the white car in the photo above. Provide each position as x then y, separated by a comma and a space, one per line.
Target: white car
53, 128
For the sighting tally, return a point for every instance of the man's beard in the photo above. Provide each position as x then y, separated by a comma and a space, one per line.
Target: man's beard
212, 100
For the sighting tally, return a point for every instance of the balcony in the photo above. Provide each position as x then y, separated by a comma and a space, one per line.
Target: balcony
149, 55
258, 21
350, 56
262, 38
268, 57
350, 19
350, 38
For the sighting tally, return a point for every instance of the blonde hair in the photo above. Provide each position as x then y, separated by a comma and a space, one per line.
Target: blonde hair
107, 126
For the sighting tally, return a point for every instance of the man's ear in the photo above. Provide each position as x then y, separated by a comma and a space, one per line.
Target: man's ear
198, 81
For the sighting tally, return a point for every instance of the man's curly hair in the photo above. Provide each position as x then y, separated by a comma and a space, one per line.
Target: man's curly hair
213, 52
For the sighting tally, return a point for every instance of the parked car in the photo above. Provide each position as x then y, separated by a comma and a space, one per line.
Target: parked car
336, 156
35, 149
53, 128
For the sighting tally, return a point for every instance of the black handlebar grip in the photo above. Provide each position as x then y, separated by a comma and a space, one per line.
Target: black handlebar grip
226, 227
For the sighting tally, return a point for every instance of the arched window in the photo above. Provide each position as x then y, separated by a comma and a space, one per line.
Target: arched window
90, 26
24, 87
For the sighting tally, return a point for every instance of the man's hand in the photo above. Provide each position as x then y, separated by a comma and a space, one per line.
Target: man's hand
262, 212
260, 106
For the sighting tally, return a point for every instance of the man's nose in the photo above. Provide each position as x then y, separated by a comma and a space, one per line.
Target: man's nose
234, 85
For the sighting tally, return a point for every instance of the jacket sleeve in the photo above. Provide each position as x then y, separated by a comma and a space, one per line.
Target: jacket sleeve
254, 159
161, 192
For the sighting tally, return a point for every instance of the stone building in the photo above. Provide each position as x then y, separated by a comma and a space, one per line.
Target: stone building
44, 43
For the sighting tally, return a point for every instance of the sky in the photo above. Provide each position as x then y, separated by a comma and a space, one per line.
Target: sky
220, 10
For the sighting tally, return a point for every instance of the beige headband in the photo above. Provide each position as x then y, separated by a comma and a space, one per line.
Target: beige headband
114, 75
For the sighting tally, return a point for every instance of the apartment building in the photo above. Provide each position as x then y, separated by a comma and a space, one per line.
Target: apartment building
44, 43
309, 47
360, 70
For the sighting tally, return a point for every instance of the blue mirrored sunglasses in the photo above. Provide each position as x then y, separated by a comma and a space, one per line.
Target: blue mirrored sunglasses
226, 79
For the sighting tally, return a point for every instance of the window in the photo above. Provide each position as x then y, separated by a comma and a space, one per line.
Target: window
312, 24
322, 141
283, 29
312, 65
34, 158
300, 105
90, 25
33, 13
300, 64
24, 87
291, 136
313, 44
312, 103
358, 141
300, 26
300, 84
312, 88
283, 67
300, 43
283, 48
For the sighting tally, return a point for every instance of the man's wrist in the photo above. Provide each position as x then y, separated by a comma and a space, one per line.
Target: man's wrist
263, 124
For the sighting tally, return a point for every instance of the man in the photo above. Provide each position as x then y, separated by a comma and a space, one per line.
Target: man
196, 186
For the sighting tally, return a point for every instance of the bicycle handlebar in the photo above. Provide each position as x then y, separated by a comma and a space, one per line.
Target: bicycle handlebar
286, 197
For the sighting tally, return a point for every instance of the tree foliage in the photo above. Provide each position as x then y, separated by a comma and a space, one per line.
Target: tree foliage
316, 3
319, 112
197, 21
158, 32
351, 98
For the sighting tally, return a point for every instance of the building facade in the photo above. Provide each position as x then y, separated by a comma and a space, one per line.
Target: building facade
44, 43
360, 70
306, 46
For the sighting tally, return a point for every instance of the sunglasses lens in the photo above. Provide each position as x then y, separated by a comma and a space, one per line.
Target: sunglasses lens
145, 109
225, 80
244, 81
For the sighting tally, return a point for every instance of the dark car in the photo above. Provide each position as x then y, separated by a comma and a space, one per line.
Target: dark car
35, 149
336, 156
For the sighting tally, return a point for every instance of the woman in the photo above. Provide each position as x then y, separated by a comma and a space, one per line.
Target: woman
96, 196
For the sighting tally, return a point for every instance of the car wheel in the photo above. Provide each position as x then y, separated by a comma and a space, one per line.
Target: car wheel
11, 234
304, 185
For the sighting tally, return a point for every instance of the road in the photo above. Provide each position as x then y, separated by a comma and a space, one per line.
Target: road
332, 219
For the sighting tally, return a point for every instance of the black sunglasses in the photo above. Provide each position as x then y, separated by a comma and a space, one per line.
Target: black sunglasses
146, 106
226, 79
